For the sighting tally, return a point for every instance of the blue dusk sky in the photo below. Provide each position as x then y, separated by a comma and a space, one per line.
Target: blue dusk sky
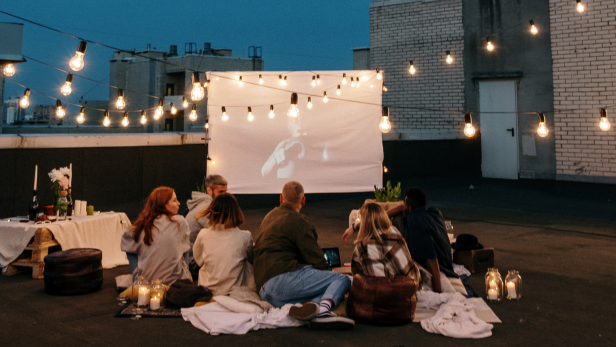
294, 35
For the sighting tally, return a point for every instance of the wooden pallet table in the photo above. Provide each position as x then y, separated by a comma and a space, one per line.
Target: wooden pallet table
34, 254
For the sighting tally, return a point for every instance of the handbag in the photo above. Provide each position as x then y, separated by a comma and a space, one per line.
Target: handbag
379, 300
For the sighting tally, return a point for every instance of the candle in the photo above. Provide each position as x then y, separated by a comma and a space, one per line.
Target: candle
155, 302
511, 290
492, 294
492, 285
35, 175
70, 176
144, 296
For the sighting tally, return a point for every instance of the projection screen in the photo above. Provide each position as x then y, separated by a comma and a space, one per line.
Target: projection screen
333, 147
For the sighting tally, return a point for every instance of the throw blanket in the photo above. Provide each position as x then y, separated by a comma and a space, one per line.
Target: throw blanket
455, 316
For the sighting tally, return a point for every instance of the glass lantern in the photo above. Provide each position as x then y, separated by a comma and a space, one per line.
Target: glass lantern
513, 281
494, 285
141, 292
157, 295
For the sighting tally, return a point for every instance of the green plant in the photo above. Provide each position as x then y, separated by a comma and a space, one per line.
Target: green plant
387, 193
201, 188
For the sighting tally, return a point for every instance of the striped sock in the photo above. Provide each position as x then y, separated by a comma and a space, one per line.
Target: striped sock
325, 306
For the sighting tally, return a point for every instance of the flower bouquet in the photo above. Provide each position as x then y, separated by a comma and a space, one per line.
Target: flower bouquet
59, 182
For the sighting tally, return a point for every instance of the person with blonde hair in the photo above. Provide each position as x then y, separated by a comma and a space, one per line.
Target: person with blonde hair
223, 251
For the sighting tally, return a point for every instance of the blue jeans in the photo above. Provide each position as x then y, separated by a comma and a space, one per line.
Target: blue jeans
303, 285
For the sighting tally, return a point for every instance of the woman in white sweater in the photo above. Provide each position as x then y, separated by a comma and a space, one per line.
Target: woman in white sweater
223, 251
159, 238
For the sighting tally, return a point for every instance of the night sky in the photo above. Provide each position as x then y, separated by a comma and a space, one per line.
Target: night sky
294, 35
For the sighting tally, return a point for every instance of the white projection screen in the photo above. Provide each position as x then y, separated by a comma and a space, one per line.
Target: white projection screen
334, 147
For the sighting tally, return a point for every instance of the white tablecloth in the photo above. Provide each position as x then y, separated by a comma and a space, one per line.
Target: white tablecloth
101, 231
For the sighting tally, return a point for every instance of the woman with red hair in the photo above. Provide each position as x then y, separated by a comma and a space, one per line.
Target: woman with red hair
159, 238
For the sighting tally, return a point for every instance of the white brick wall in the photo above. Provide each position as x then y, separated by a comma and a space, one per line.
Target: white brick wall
420, 31
584, 68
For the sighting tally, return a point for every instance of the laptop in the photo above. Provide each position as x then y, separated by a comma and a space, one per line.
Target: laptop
332, 257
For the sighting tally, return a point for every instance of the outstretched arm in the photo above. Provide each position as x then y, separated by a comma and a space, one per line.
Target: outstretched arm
432, 267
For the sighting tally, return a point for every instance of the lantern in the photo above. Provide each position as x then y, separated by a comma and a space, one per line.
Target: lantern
141, 292
157, 295
513, 281
494, 285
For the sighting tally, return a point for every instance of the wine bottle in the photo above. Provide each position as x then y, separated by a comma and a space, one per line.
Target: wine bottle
69, 207
34, 208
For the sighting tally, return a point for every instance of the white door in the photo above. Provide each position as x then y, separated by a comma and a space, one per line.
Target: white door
499, 129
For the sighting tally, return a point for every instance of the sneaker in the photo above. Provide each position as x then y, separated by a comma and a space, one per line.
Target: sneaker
305, 312
329, 321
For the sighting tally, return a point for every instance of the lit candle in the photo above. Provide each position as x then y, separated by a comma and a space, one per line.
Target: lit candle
493, 294
511, 290
144, 296
35, 175
155, 302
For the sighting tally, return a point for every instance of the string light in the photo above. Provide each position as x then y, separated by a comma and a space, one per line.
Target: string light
9, 69
318, 79
106, 120
82, 116
344, 80
293, 109
411, 68
385, 125
604, 124
207, 124
385, 87
352, 82
59, 109
76, 62
309, 103
489, 46
173, 109
324, 96
225, 117
280, 80
284, 81
211, 160
159, 109
125, 119
240, 81
25, 100
260, 79
449, 59
580, 7
469, 129
271, 114
250, 116
379, 75
66, 87
314, 81
143, 119
184, 102
357, 82
197, 92
542, 130
120, 102
385, 169
533, 28
193, 114
338, 90
206, 82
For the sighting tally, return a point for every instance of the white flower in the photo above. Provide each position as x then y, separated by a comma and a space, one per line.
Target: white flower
65, 171
55, 175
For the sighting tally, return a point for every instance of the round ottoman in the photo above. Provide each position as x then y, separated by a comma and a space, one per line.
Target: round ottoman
76, 271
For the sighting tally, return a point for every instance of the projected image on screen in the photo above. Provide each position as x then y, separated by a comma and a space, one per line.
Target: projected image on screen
333, 146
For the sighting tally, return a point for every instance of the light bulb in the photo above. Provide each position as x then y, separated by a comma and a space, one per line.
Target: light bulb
385, 125
207, 124
385, 87
580, 7
260, 79
271, 114
9, 69
490, 47
125, 119
173, 109
533, 28
309, 103
385, 169
184, 102
66, 88
250, 116
76, 62
59, 109
240, 81
106, 120
449, 58
318, 79
82, 116
357, 82
293, 109
120, 102
284, 81
225, 117
197, 92
412, 68
25, 100
542, 130
314, 81
338, 90
324, 96
344, 80
193, 114
206, 82
352, 82
379, 75
604, 124
159, 109
143, 119
469, 129
280, 80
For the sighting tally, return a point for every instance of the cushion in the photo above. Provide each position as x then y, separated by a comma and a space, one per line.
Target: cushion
72, 272
379, 300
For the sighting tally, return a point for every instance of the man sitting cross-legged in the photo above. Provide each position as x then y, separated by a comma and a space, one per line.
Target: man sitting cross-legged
290, 267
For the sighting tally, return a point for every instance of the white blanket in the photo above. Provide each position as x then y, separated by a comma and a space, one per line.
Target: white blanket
215, 319
14, 237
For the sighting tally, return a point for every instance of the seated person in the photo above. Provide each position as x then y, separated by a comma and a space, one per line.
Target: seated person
380, 250
214, 185
223, 251
159, 237
290, 267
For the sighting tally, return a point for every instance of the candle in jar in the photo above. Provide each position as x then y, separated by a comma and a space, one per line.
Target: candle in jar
492, 285
511, 290
155, 302
144, 296
492, 294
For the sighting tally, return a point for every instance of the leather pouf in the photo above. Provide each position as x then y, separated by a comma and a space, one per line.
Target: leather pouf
72, 272
379, 300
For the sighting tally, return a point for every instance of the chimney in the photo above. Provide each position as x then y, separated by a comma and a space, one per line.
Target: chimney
173, 50
207, 48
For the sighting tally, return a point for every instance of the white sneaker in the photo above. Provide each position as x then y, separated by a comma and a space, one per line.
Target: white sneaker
330, 321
